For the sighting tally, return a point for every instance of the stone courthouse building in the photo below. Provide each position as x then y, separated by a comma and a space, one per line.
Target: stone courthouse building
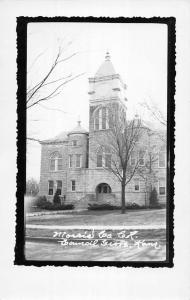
72, 163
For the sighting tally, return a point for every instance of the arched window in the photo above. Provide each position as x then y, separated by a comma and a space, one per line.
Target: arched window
56, 161
101, 118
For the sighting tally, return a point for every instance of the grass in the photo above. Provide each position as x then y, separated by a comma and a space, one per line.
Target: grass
131, 217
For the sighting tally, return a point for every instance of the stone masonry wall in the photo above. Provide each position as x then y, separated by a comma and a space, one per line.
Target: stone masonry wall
46, 174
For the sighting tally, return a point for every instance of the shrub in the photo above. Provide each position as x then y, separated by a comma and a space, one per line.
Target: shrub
56, 198
60, 207
134, 205
107, 206
153, 200
104, 206
41, 201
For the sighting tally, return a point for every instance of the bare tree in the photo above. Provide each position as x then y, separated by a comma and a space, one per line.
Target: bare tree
147, 172
119, 141
32, 187
48, 86
37, 93
156, 113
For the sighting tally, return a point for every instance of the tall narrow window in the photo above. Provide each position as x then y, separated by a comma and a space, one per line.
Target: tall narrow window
59, 164
110, 118
96, 125
78, 160
136, 185
162, 159
99, 160
59, 187
50, 187
52, 164
101, 118
141, 158
104, 118
70, 161
162, 186
73, 185
108, 161
56, 162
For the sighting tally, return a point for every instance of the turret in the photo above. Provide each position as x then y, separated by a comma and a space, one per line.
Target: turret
77, 147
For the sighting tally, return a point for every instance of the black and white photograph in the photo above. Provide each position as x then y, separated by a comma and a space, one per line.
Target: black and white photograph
94, 155
98, 178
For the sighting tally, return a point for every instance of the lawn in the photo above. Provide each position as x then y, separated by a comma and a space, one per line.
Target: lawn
107, 218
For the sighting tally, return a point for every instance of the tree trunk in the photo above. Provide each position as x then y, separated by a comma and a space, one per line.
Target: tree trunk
123, 198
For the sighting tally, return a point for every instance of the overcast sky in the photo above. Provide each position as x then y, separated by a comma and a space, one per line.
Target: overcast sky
138, 53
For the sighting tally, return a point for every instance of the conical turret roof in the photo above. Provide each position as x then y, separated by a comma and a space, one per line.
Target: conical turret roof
106, 68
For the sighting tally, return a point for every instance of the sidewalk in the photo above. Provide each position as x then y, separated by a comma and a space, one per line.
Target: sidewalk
53, 212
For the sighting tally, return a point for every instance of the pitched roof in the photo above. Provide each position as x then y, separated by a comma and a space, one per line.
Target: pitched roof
106, 67
61, 137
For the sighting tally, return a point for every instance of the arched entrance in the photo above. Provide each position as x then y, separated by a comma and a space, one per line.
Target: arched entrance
103, 191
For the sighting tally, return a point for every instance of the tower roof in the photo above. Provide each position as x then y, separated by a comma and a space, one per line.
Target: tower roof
106, 67
78, 129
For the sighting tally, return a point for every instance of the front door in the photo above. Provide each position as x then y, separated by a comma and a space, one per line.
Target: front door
102, 191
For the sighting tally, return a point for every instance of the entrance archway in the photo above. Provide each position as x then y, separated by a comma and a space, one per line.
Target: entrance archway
102, 191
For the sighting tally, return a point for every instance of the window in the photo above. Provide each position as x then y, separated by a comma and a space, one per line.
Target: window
78, 160
136, 185
96, 125
162, 159
59, 164
99, 160
101, 119
59, 187
52, 164
141, 158
108, 160
162, 186
74, 143
133, 158
73, 185
50, 187
70, 161
56, 162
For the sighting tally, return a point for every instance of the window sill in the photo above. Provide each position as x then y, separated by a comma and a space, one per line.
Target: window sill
74, 168
97, 130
